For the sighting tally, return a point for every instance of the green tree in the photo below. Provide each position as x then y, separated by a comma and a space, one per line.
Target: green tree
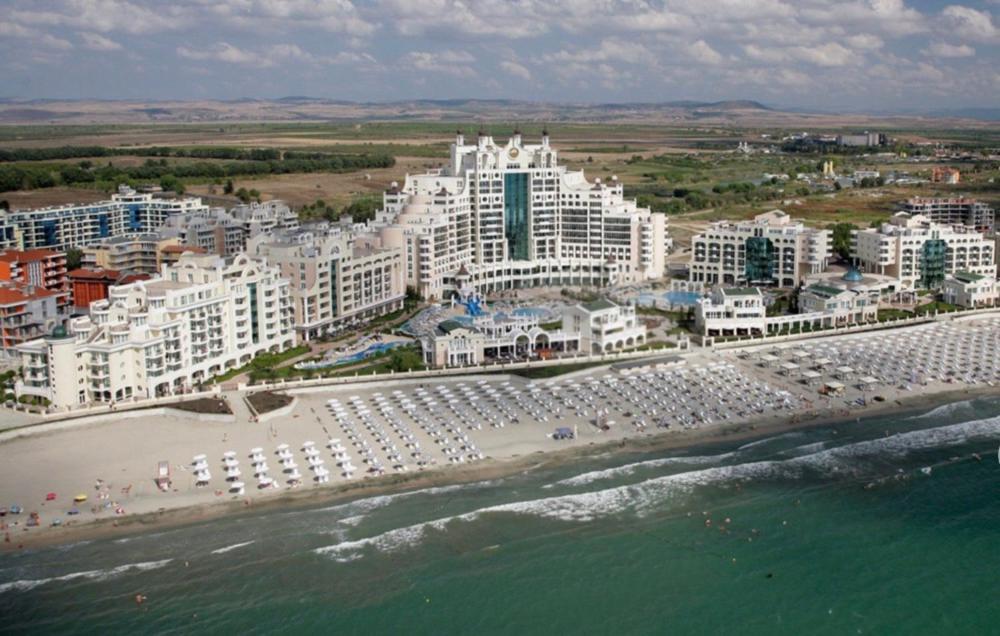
243, 195
74, 257
171, 182
362, 210
228, 188
841, 239
405, 359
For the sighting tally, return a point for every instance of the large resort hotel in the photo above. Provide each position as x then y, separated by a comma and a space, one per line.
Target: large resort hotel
508, 216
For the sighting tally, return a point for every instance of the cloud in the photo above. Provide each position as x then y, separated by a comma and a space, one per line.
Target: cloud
275, 56
516, 69
969, 23
456, 63
96, 42
34, 36
943, 49
103, 15
609, 50
702, 52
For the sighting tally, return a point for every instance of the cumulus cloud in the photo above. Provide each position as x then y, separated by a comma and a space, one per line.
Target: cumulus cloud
96, 42
516, 69
969, 23
943, 49
277, 55
795, 50
456, 63
703, 52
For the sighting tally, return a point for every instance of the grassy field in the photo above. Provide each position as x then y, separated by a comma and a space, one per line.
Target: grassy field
655, 163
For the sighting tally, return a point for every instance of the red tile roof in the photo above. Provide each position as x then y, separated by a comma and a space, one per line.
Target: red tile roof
12, 294
27, 255
180, 249
93, 274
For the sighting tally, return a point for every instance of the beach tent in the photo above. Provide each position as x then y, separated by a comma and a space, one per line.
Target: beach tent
833, 388
789, 367
811, 376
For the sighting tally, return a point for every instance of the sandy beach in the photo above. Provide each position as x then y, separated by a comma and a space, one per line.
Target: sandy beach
706, 396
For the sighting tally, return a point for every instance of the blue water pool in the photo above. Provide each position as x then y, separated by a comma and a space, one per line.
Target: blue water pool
354, 357
535, 312
682, 297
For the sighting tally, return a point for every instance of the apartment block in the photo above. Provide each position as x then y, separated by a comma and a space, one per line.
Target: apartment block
163, 336
771, 249
920, 253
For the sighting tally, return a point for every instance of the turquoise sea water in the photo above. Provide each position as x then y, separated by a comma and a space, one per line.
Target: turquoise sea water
883, 526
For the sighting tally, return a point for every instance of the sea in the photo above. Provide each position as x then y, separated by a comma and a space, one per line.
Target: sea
880, 525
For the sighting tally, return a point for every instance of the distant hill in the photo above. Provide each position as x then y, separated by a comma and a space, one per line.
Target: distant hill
730, 113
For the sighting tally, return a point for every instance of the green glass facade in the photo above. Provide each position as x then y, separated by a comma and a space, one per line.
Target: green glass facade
516, 225
254, 317
759, 260
932, 261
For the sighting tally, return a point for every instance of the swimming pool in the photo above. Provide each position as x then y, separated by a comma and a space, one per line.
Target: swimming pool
368, 352
680, 298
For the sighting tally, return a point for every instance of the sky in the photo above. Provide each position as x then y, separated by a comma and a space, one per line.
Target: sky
857, 55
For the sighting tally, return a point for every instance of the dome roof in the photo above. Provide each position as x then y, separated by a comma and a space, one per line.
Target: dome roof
59, 332
853, 275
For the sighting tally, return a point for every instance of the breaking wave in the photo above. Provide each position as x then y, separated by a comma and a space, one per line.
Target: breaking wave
94, 575
229, 548
650, 495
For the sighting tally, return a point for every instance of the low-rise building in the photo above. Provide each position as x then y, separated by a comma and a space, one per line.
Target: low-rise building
920, 253
88, 285
945, 174
733, 311
163, 336
840, 305
604, 326
970, 290
472, 341
771, 249
743, 311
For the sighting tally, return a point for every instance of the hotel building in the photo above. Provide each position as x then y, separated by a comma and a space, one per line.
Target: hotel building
920, 253
336, 277
163, 336
771, 249
78, 225
141, 253
952, 211
504, 216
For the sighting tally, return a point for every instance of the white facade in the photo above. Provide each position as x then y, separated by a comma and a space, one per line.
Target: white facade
742, 312
604, 326
336, 277
732, 311
456, 344
77, 225
157, 337
513, 217
969, 290
920, 253
843, 306
771, 249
